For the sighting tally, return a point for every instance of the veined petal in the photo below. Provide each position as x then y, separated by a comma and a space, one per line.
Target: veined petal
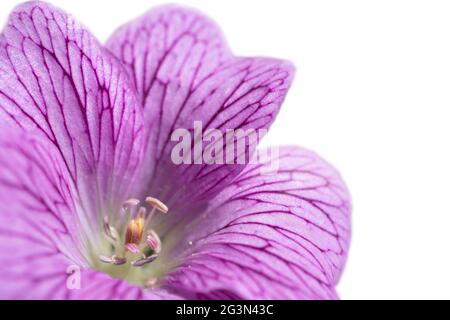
185, 73
99, 286
56, 80
283, 235
38, 222
42, 250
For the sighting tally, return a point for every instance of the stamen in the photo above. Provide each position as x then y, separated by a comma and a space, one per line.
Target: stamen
143, 261
128, 207
130, 237
153, 241
110, 232
142, 212
130, 203
113, 260
157, 204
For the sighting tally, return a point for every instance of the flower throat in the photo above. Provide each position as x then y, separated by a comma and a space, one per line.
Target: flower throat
133, 245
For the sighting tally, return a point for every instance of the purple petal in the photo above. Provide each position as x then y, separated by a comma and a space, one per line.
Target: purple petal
278, 236
56, 80
37, 220
184, 72
40, 241
98, 286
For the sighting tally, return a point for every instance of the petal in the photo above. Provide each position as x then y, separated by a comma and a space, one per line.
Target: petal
184, 72
40, 239
98, 286
38, 223
270, 236
56, 80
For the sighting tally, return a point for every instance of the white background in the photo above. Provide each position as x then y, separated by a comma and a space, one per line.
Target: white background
372, 97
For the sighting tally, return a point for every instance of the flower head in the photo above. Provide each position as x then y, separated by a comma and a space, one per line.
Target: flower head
85, 135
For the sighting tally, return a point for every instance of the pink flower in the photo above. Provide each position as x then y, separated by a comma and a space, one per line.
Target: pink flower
85, 137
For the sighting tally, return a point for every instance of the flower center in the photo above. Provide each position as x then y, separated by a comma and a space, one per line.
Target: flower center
132, 243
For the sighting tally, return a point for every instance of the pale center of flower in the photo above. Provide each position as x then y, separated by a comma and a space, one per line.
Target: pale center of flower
131, 244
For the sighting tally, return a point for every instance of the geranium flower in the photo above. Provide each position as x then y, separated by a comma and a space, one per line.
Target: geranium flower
92, 206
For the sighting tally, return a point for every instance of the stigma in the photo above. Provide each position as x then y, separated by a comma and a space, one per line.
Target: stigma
133, 241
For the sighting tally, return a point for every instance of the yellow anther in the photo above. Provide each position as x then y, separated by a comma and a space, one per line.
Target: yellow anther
135, 229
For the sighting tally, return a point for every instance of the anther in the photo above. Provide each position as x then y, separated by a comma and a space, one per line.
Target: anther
157, 204
110, 232
153, 241
113, 260
143, 261
130, 203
